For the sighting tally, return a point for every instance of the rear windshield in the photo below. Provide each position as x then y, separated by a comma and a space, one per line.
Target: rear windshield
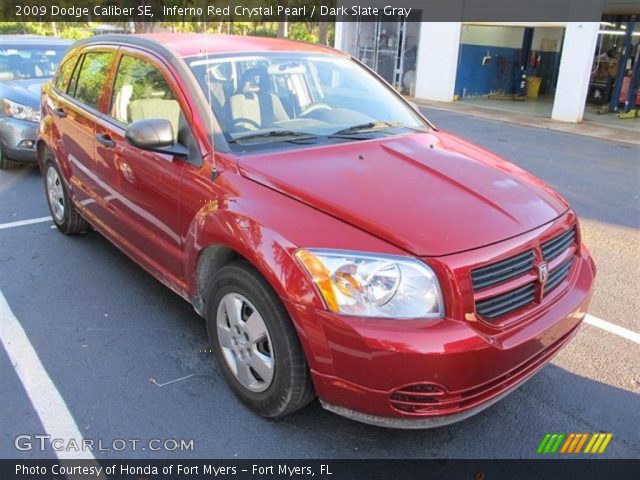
19, 62
263, 97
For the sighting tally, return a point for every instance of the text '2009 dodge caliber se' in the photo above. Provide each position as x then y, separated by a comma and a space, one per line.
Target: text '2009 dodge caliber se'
337, 244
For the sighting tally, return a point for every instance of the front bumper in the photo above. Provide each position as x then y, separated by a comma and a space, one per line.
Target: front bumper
423, 374
13, 137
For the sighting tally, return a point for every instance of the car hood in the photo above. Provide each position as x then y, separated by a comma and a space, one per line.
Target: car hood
431, 194
26, 92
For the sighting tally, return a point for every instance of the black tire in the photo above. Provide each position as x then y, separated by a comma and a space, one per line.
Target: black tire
6, 163
291, 387
71, 222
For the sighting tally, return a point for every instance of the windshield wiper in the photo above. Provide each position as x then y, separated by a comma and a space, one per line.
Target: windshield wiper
274, 134
372, 127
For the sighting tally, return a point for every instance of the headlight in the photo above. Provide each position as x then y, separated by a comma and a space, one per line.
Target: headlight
20, 112
371, 285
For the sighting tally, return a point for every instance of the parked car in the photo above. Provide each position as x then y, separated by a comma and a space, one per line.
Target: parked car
26, 63
335, 241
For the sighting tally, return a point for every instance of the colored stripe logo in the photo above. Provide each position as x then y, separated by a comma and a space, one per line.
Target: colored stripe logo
574, 443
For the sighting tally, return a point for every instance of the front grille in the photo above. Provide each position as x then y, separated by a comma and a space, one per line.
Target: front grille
556, 246
557, 275
516, 266
507, 302
501, 271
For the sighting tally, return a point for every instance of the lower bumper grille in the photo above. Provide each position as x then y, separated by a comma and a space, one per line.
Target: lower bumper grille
428, 399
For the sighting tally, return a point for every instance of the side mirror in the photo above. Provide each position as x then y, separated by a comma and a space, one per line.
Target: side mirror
156, 135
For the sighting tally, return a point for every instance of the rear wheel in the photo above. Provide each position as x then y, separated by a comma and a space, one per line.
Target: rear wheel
64, 214
255, 343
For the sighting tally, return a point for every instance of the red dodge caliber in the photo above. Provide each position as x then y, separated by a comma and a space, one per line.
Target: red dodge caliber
337, 244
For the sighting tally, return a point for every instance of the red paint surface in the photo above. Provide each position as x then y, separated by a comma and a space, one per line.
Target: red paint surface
429, 195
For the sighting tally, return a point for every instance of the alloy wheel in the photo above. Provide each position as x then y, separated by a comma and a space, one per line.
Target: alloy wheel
244, 340
55, 193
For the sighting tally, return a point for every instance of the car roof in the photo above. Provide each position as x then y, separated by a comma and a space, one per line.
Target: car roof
33, 40
189, 44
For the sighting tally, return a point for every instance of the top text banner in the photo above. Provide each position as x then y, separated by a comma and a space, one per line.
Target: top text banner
310, 10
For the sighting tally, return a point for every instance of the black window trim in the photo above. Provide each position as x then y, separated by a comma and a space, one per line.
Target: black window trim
72, 57
75, 75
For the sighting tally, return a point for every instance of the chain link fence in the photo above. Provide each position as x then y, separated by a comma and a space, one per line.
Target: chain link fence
390, 48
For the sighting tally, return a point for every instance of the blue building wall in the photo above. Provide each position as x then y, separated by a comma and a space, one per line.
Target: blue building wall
502, 72
475, 79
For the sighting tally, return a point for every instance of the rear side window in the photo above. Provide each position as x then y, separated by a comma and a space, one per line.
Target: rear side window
63, 75
92, 78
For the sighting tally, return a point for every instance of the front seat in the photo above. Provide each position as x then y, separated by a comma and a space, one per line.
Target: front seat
145, 108
255, 107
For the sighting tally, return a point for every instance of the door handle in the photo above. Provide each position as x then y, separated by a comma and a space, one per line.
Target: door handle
59, 112
105, 140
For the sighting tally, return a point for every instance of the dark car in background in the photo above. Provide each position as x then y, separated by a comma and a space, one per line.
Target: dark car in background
26, 63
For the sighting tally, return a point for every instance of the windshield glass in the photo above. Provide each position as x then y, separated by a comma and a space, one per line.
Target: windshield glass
18, 62
274, 97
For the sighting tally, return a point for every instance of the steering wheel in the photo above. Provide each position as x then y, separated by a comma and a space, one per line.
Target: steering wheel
313, 108
243, 122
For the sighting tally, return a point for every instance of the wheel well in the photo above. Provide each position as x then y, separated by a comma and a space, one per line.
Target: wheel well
212, 259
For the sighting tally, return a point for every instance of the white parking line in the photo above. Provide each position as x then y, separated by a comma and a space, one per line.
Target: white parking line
613, 328
20, 223
45, 397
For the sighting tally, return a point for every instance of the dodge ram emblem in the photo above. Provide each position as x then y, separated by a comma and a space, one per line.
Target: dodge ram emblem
543, 273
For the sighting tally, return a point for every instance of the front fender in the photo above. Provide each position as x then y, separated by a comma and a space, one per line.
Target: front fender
269, 252
265, 227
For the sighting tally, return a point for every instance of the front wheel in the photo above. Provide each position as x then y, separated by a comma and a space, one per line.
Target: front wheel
64, 214
256, 344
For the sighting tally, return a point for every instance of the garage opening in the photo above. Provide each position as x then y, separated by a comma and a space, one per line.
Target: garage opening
511, 68
614, 94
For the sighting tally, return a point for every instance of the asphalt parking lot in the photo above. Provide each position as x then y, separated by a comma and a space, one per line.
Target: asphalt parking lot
126, 354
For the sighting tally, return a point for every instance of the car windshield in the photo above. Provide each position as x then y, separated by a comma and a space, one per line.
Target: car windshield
291, 97
18, 62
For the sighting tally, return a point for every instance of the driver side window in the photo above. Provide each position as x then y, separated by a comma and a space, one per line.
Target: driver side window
141, 92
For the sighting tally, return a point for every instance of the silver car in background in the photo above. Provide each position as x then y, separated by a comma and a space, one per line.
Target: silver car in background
26, 63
